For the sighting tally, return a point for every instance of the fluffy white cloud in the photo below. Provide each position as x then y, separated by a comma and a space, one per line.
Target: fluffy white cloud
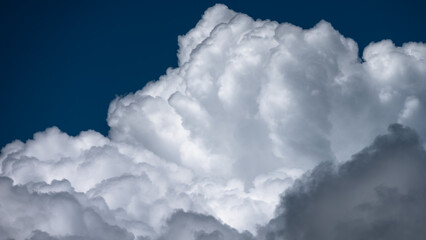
252, 105
55, 209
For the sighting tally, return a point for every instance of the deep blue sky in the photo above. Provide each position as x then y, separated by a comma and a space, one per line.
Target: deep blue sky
62, 62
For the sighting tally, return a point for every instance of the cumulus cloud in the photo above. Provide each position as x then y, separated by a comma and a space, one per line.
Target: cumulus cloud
379, 194
37, 210
252, 105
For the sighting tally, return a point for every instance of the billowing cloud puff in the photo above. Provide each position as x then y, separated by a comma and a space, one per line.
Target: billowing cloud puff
252, 105
379, 194
37, 210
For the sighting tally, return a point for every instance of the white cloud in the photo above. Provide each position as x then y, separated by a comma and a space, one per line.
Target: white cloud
54, 209
252, 105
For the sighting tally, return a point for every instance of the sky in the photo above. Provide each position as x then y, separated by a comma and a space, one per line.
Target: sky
62, 62
255, 122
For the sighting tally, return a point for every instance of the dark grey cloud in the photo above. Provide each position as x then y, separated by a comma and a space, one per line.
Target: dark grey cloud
194, 226
379, 194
